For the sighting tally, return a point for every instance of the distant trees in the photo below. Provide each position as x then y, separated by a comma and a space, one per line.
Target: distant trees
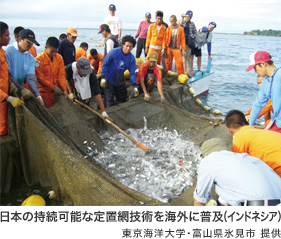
270, 32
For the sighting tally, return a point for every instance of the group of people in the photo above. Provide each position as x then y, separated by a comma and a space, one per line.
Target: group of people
249, 175
176, 42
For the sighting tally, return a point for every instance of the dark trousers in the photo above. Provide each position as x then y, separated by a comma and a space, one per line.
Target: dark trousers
140, 46
119, 91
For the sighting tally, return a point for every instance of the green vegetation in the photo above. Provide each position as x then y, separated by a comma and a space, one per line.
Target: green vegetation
270, 32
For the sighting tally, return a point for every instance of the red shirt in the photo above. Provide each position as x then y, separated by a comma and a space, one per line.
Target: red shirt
143, 71
142, 30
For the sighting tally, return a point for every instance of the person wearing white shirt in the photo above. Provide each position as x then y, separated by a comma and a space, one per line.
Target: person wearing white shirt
114, 22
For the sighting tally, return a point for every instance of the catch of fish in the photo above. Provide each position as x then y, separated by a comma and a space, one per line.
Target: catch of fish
166, 171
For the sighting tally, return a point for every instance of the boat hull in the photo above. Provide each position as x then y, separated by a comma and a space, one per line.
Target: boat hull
200, 85
200, 82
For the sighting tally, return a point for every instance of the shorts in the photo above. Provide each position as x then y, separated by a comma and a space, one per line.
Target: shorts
196, 51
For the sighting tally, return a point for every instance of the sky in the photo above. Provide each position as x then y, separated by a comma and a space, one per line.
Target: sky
230, 16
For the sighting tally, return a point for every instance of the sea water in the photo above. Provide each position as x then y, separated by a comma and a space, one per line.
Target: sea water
231, 86
164, 172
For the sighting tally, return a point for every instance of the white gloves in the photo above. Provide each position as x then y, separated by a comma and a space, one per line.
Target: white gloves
136, 92
103, 83
41, 101
106, 116
146, 97
71, 96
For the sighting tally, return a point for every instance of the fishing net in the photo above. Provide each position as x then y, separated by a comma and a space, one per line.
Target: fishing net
47, 146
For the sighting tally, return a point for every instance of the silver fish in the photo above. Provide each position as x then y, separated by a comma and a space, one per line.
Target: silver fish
158, 174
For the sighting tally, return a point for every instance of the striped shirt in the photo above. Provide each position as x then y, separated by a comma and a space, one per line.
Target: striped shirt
189, 30
237, 177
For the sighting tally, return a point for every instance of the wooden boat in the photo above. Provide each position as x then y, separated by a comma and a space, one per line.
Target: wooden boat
200, 82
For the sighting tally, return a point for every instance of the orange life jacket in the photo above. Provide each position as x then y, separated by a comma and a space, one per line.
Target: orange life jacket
180, 37
154, 37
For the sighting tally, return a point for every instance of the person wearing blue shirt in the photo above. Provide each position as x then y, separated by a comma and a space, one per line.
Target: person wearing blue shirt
22, 64
116, 62
270, 88
238, 178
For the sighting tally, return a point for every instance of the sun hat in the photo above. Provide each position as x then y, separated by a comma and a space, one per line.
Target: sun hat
213, 145
72, 31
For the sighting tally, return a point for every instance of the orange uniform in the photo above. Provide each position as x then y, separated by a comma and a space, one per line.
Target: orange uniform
49, 74
175, 50
264, 110
33, 51
156, 40
80, 52
262, 144
97, 64
4, 90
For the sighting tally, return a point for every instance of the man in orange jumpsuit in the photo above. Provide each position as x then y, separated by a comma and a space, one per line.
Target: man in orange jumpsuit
262, 144
175, 39
155, 40
5, 81
50, 72
96, 60
82, 50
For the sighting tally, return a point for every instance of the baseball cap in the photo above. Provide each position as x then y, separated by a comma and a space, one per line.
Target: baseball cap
213, 145
104, 27
29, 35
153, 56
188, 14
258, 57
213, 23
112, 7
148, 14
84, 65
73, 31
